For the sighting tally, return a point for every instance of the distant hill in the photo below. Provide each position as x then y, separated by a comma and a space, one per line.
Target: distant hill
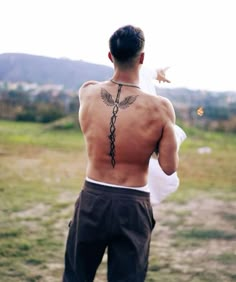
16, 67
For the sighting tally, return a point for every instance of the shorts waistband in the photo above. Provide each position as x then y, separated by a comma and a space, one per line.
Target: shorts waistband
141, 188
98, 188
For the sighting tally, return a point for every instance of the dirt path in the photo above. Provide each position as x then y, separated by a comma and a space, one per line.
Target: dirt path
195, 241
192, 242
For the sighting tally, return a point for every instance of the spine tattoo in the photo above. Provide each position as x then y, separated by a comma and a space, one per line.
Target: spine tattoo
108, 100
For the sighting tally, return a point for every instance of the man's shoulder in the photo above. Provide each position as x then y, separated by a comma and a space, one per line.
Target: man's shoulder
160, 104
85, 88
89, 83
164, 100
157, 99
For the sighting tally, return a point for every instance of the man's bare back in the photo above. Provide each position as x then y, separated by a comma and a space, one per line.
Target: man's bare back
141, 125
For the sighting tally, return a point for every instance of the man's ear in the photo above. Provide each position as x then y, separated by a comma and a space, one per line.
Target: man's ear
110, 57
141, 59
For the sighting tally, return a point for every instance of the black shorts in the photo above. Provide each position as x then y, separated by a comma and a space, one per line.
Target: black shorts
118, 219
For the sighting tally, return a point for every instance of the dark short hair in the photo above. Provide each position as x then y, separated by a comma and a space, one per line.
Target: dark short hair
126, 43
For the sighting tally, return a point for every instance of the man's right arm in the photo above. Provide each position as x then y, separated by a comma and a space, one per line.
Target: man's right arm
168, 149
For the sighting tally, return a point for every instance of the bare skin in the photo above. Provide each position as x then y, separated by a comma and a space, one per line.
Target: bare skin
144, 124
161, 75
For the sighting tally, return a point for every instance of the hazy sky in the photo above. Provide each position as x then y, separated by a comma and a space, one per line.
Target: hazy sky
194, 37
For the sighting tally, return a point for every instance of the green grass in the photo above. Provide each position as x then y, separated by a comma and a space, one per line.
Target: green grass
37, 167
207, 234
214, 171
227, 258
39, 135
42, 168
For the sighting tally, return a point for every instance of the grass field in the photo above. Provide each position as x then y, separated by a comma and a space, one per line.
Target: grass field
41, 172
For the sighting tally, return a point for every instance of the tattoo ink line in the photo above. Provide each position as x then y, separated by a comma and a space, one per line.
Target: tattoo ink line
108, 100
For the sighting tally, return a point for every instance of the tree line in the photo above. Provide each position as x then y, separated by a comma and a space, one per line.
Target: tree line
44, 106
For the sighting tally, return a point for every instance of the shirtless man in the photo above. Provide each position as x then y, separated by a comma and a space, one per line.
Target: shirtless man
122, 127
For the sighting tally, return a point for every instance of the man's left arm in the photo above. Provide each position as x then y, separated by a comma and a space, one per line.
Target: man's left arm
84, 86
161, 75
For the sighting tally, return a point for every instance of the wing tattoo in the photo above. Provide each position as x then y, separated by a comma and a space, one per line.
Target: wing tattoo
127, 102
107, 98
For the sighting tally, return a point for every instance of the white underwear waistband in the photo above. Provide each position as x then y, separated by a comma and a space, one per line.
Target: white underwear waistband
142, 188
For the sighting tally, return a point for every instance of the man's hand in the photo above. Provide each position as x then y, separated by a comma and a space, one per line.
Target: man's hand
161, 75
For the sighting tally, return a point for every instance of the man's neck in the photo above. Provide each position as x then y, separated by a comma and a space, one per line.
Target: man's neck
121, 83
129, 76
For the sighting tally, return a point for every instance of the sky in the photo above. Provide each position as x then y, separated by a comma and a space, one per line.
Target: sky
195, 38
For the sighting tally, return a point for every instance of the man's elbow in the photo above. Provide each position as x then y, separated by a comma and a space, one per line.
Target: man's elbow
171, 167
169, 171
